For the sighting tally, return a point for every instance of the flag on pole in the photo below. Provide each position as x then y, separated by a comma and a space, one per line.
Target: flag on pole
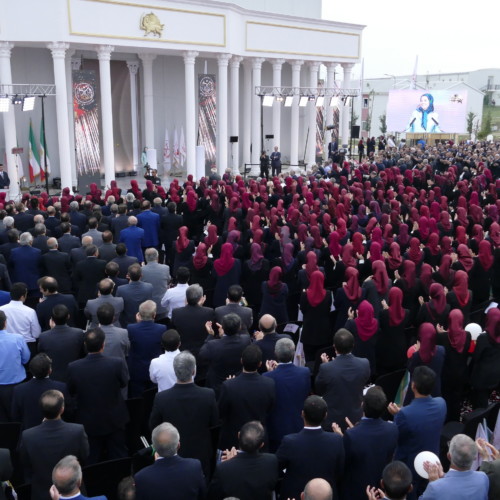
183, 149
480, 433
167, 158
414, 77
177, 155
20, 168
34, 158
42, 153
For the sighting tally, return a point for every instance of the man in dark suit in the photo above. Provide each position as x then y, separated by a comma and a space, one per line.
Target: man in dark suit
369, 446
223, 355
51, 222
25, 264
150, 222
4, 178
112, 269
26, 398
76, 255
120, 222
104, 296
12, 242
191, 409
5, 469
44, 445
96, 381
87, 274
191, 319
63, 344
247, 397
40, 236
133, 294
266, 339
123, 260
234, 295
57, 265
77, 218
145, 345
51, 298
133, 237
169, 230
341, 381
181, 477
293, 385
310, 453
247, 474
67, 241
107, 251
22, 220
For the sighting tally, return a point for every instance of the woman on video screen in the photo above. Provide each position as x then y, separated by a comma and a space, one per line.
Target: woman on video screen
424, 118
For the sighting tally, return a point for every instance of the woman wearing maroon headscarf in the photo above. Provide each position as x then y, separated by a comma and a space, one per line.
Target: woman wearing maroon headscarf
201, 272
315, 304
481, 275
183, 250
456, 343
348, 296
432, 252
463, 260
415, 253
445, 274
485, 375
407, 281
435, 311
459, 296
212, 241
255, 271
227, 272
274, 297
377, 287
392, 342
304, 274
192, 215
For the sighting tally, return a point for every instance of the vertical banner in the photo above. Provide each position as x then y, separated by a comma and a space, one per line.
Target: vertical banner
320, 125
86, 113
207, 115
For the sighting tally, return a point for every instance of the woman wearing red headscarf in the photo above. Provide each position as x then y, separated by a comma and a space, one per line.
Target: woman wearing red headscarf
463, 260
377, 287
406, 280
315, 304
459, 295
212, 241
255, 271
304, 274
481, 274
432, 252
227, 272
445, 274
201, 272
392, 343
183, 250
435, 311
456, 343
192, 216
415, 253
485, 375
274, 297
348, 296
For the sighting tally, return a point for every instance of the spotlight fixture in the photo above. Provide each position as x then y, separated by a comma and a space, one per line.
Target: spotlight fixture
268, 100
334, 102
347, 100
29, 103
311, 98
320, 101
4, 104
279, 98
288, 101
303, 101
17, 100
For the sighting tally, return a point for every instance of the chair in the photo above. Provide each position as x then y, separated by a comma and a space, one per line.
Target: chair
103, 478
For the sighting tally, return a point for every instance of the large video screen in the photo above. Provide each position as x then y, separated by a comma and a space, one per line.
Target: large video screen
427, 111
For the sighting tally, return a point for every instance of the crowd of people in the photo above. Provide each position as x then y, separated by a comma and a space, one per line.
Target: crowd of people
259, 311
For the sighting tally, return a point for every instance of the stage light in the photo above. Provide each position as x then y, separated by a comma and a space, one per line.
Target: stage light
29, 103
320, 100
347, 100
4, 104
311, 98
268, 100
17, 100
288, 101
334, 102
303, 101
279, 98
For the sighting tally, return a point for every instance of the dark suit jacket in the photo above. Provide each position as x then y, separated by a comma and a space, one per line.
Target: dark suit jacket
247, 397
43, 446
133, 294
247, 476
57, 265
78, 219
4, 180
245, 314
190, 321
107, 251
5, 469
341, 382
40, 242
5, 282
169, 227
67, 242
308, 454
63, 345
97, 381
117, 224
44, 309
124, 263
182, 478
51, 223
25, 265
7, 248
94, 304
193, 411
87, 274
23, 221
150, 222
267, 345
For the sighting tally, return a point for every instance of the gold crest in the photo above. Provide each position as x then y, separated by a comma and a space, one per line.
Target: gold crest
151, 25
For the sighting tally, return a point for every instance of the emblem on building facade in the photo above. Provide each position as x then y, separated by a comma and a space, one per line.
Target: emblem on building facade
151, 25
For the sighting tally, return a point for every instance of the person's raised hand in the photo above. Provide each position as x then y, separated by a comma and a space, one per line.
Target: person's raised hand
336, 429
393, 408
421, 300
374, 493
271, 365
258, 335
325, 358
228, 454
209, 329
435, 471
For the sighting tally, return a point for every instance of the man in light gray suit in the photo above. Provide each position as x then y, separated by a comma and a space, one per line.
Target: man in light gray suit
159, 276
234, 295
107, 251
104, 296
96, 235
117, 343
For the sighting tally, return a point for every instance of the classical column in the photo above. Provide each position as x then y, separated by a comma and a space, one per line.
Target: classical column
235, 115
149, 122
189, 60
256, 114
133, 67
222, 135
58, 50
104, 56
9, 121
72, 64
346, 110
294, 118
311, 114
277, 64
330, 83
247, 111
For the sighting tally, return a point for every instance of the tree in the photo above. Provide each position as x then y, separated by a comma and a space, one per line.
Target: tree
471, 116
383, 123
354, 118
485, 126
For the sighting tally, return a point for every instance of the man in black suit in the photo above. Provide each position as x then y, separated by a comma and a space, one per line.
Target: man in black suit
87, 274
107, 251
40, 236
234, 295
63, 344
341, 381
67, 241
57, 265
247, 397
22, 220
169, 230
44, 445
5, 469
96, 381
76, 255
51, 222
191, 409
119, 222
247, 474
191, 319
77, 218
123, 260
182, 478
311, 453
26, 397
12, 242
4, 178
51, 298
266, 339
223, 355
112, 269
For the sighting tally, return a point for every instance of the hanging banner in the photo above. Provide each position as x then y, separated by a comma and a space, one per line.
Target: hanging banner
319, 126
86, 113
207, 115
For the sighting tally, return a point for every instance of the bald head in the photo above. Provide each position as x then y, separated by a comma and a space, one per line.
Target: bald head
87, 241
52, 243
132, 221
267, 324
317, 489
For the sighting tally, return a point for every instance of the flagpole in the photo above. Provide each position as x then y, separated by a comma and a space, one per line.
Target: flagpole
44, 145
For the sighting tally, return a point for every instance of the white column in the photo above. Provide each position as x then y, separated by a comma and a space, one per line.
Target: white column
311, 114
58, 50
235, 108
72, 64
277, 64
294, 119
222, 135
149, 122
189, 60
256, 114
247, 111
9, 121
104, 56
330, 83
346, 110
133, 67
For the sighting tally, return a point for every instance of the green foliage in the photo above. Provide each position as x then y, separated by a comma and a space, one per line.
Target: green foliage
383, 123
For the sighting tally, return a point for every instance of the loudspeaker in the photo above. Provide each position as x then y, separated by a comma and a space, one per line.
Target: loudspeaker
56, 182
270, 136
233, 138
355, 131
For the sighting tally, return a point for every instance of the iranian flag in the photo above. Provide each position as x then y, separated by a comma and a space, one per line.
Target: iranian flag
177, 154
42, 154
167, 160
34, 158
182, 148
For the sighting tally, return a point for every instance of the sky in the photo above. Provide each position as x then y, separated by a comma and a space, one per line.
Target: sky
448, 36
